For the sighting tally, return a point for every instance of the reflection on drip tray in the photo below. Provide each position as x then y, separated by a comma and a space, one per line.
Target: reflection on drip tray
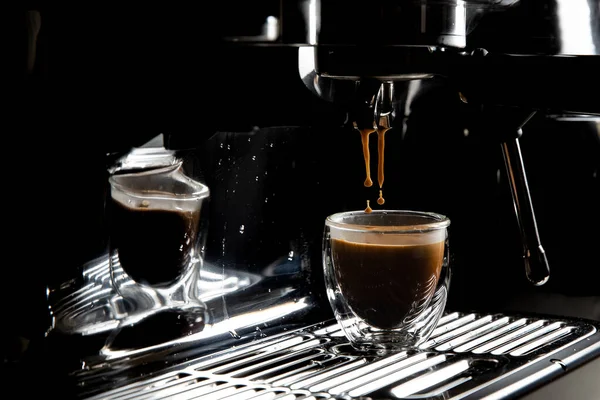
470, 356
92, 306
96, 307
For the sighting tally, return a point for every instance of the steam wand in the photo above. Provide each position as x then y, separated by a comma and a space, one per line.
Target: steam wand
537, 268
507, 124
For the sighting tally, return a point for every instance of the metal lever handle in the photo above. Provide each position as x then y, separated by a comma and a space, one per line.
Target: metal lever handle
534, 256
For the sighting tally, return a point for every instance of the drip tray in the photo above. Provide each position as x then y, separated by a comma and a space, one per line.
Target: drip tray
469, 356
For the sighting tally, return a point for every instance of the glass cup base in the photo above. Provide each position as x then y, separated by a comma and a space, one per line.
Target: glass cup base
365, 338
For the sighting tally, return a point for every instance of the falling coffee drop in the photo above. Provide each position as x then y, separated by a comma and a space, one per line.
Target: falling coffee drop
380, 200
368, 209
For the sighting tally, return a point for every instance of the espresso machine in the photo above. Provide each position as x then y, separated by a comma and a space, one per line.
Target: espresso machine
494, 120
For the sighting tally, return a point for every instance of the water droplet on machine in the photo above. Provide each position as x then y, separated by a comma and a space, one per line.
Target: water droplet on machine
260, 333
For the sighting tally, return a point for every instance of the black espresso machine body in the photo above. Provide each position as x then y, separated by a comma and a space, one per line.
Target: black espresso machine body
494, 115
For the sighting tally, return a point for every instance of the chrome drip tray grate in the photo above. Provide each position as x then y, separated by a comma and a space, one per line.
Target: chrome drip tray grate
469, 355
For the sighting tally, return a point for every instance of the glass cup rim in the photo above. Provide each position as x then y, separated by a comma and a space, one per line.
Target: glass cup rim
438, 221
201, 193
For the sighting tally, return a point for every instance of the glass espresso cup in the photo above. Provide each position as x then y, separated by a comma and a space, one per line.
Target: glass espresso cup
387, 276
156, 240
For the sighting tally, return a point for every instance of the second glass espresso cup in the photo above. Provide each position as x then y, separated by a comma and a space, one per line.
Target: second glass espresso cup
387, 275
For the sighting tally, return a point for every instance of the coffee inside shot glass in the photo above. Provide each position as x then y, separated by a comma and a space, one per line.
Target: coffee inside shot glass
387, 276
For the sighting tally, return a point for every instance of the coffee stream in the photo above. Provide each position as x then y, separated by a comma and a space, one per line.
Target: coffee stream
364, 134
380, 148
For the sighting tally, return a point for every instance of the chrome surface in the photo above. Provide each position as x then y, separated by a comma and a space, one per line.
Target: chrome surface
423, 23
384, 106
567, 27
420, 22
269, 32
469, 356
93, 307
345, 48
275, 346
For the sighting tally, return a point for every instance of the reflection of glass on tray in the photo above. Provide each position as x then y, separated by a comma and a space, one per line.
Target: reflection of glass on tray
157, 231
93, 306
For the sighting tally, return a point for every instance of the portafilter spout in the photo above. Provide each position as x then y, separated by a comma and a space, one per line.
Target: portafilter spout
384, 106
373, 105
362, 105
